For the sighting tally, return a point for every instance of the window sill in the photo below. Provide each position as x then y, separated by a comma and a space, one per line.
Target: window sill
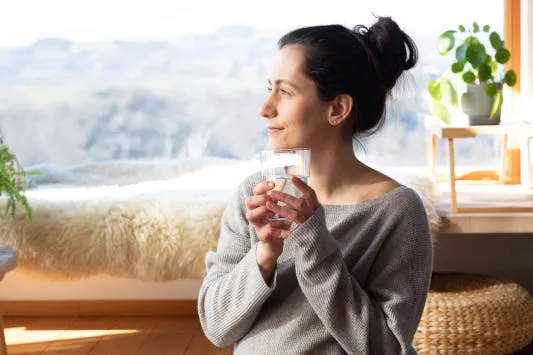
486, 195
471, 194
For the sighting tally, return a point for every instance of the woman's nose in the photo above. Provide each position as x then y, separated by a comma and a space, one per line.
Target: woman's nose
267, 110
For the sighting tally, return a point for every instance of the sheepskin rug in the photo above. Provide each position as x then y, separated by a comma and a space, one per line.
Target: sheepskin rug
152, 241
122, 219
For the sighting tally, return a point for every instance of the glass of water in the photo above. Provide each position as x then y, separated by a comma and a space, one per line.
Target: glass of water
279, 165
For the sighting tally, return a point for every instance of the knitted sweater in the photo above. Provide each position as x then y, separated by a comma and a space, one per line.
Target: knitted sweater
352, 279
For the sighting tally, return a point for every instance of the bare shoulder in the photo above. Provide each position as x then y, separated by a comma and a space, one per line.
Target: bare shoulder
378, 184
406, 199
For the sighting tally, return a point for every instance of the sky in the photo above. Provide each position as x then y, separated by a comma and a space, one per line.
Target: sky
24, 21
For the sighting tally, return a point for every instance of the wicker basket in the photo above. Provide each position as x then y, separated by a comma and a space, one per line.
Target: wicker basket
474, 314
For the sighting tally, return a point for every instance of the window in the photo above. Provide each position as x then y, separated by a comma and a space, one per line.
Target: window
98, 80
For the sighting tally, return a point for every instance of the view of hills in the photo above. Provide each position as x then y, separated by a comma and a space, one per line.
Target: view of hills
64, 103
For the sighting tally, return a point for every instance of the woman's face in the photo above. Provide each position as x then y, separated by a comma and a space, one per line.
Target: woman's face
296, 117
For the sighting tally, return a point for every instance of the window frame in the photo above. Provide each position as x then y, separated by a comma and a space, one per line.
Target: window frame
512, 37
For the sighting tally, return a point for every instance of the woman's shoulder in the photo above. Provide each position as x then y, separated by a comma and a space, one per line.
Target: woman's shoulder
405, 198
394, 200
396, 195
403, 206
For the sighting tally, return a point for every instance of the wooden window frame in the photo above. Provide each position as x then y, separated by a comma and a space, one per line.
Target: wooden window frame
512, 17
512, 38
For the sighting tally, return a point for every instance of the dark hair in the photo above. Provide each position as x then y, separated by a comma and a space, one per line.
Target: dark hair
363, 63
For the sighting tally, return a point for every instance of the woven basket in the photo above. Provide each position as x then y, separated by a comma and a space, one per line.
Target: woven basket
474, 314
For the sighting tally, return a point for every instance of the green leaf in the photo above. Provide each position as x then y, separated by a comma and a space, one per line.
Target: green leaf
475, 54
484, 72
491, 89
497, 105
469, 77
448, 92
488, 58
445, 42
457, 67
471, 40
462, 28
502, 55
510, 77
460, 53
12, 172
440, 111
475, 27
434, 89
494, 66
486, 28
495, 40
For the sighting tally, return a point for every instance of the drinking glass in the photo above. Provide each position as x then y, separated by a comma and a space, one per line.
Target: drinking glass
279, 165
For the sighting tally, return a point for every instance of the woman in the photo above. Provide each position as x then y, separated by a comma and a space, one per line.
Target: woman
353, 275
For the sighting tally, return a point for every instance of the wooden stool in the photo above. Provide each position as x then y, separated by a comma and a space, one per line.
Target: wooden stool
437, 129
474, 314
8, 261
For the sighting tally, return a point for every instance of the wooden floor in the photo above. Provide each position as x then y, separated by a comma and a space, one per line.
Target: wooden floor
176, 335
108, 335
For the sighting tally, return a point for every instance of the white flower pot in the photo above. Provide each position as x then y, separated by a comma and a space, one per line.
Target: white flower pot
477, 105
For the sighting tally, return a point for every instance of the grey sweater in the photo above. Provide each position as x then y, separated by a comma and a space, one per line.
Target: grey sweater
352, 279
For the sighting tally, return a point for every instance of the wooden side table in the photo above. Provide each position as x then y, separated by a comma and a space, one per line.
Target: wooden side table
8, 261
438, 129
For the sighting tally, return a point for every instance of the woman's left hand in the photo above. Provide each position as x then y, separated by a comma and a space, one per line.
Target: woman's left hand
296, 209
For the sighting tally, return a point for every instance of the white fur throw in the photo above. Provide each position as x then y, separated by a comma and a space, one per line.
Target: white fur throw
133, 226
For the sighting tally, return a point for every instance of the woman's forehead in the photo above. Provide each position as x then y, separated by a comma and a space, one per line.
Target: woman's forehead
288, 64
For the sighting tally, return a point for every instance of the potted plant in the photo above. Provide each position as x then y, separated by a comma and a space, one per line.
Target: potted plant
13, 182
480, 67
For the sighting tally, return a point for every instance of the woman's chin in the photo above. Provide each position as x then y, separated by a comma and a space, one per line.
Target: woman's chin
278, 146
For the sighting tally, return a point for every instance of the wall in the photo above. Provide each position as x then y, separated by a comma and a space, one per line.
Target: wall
19, 286
507, 256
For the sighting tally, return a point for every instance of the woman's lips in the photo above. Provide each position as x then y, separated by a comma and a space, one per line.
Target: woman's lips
272, 130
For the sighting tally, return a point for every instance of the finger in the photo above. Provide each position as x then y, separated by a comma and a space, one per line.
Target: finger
308, 194
285, 198
263, 187
257, 215
285, 211
256, 201
295, 203
282, 225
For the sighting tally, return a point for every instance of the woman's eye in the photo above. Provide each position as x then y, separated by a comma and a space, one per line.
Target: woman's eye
269, 88
284, 92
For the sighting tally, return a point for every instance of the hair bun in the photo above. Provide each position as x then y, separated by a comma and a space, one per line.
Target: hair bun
394, 51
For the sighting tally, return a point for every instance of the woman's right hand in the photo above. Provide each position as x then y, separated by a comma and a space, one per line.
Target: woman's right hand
270, 244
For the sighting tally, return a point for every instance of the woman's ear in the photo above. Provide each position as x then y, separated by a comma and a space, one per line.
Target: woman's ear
340, 109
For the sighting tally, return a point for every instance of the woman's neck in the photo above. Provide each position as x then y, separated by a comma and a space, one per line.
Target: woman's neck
334, 170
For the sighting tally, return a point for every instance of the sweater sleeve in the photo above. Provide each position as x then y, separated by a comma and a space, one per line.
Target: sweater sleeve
380, 317
233, 291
